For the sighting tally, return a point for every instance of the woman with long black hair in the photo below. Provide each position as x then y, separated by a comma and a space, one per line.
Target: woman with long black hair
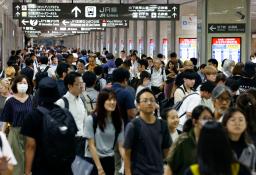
214, 153
104, 129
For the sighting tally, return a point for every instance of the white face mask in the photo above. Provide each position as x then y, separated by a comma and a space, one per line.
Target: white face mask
22, 88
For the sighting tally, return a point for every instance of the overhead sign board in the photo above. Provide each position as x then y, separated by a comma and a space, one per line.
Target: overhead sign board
226, 28
95, 11
107, 23
77, 29
151, 11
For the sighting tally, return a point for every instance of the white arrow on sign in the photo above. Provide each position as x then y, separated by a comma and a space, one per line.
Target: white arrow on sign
212, 28
174, 8
76, 10
17, 7
174, 15
17, 14
24, 22
64, 22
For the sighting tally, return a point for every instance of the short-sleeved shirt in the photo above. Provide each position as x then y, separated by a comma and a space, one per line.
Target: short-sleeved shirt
147, 151
6, 150
125, 100
104, 139
14, 111
183, 153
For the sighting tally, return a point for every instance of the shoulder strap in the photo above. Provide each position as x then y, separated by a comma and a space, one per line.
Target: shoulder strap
43, 110
183, 90
38, 69
90, 100
151, 70
83, 99
94, 121
137, 125
46, 69
66, 104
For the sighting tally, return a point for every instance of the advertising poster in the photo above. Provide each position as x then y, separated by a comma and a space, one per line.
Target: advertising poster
165, 47
122, 45
130, 44
140, 47
226, 48
188, 48
151, 48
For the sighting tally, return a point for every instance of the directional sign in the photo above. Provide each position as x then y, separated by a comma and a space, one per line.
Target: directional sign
74, 23
77, 29
95, 11
226, 28
151, 11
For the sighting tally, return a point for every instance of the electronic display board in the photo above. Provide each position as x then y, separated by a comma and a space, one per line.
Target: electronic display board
187, 48
226, 48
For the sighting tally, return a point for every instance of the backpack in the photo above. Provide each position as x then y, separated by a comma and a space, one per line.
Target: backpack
58, 136
90, 104
97, 86
40, 75
177, 105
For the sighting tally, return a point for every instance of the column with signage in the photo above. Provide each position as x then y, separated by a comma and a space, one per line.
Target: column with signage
227, 32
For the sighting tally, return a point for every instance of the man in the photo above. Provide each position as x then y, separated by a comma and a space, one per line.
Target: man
32, 128
158, 76
175, 61
134, 65
90, 94
187, 87
193, 100
221, 97
147, 139
125, 98
62, 71
74, 82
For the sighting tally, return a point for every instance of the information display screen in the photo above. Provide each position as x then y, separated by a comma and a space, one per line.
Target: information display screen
226, 48
188, 48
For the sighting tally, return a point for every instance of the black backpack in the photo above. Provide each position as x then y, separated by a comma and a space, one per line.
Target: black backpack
58, 136
40, 75
97, 85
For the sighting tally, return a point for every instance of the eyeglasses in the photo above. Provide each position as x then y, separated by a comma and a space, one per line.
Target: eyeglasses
146, 100
224, 99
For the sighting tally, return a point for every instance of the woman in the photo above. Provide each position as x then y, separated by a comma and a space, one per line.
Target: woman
183, 151
235, 124
214, 153
247, 103
172, 118
4, 92
144, 81
103, 137
171, 72
15, 109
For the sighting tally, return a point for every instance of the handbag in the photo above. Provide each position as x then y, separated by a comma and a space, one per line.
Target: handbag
81, 166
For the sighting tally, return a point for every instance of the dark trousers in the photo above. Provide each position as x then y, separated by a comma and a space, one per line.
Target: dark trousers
108, 164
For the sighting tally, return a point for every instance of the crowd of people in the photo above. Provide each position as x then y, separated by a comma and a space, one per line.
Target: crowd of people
127, 115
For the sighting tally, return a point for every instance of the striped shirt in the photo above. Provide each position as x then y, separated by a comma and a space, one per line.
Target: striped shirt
14, 111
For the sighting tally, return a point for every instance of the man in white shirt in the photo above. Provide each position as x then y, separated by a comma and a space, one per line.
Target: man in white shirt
76, 106
158, 76
193, 100
43, 64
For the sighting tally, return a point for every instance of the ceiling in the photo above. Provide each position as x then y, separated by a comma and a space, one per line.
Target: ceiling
7, 4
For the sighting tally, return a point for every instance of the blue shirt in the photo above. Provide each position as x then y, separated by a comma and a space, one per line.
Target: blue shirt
125, 100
